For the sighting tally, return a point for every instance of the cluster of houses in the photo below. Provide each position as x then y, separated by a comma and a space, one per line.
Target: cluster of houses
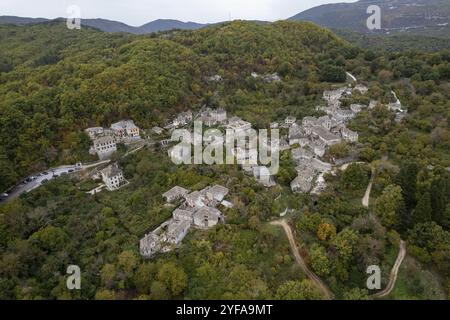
180, 120
105, 139
315, 135
198, 210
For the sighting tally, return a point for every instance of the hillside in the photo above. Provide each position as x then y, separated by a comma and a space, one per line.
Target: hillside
397, 15
55, 82
58, 78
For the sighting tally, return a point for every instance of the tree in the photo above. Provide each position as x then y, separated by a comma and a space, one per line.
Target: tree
355, 177
407, 180
388, 205
356, 294
105, 295
159, 291
423, 210
298, 290
319, 260
173, 277
144, 276
326, 231
108, 275
438, 195
345, 242
128, 262
331, 73
50, 238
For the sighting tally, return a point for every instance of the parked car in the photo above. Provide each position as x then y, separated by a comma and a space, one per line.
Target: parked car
44, 181
4, 195
71, 170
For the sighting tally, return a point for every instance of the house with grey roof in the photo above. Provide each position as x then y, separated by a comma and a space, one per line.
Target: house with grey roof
325, 136
301, 153
303, 182
195, 200
104, 147
94, 132
217, 193
125, 128
208, 217
113, 177
175, 193
183, 215
177, 230
349, 135
290, 120
150, 245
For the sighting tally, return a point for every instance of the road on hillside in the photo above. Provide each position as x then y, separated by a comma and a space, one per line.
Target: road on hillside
394, 272
310, 274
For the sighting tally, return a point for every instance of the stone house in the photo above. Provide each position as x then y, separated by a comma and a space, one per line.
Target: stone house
325, 136
237, 125
177, 230
104, 146
219, 115
290, 120
125, 128
195, 200
208, 217
303, 182
175, 193
113, 177
183, 215
150, 245
94, 132
217, 193
324, 122
349, 135
301, 153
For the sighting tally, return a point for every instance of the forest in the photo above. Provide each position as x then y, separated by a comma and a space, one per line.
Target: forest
56, 82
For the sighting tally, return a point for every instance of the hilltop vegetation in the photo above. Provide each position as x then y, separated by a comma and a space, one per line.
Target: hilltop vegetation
54, 83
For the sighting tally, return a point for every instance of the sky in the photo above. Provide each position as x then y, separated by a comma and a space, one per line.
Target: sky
138, 12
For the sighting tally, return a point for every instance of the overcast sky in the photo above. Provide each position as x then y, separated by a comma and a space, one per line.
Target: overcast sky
138, 12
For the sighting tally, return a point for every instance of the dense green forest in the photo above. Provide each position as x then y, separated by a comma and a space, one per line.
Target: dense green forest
55, 82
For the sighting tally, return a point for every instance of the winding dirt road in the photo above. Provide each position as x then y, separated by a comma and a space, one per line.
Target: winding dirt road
394, 272
310, 274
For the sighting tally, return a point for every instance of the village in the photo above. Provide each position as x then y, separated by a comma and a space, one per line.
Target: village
308, 140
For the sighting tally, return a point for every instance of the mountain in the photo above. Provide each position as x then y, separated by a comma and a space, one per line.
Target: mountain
165, 25
396, 15
113, 26
20, 20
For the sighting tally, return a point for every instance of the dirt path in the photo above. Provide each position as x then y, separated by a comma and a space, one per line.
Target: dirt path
394, 272
366, 198
310, 274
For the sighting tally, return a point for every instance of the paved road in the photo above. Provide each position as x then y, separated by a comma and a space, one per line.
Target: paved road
394, 272
310, 274
38, 179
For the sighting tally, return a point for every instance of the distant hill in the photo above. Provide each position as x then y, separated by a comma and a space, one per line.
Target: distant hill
425, 16
20, 20
113, 26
